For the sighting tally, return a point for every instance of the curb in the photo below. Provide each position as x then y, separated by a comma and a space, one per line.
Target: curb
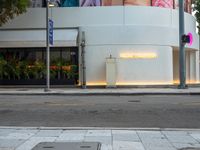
101, 94
98, 128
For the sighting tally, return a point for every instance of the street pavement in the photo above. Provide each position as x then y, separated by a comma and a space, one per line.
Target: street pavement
161, 111
194, 90
23, 138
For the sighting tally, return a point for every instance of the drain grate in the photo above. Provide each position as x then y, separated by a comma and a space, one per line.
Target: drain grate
189, 148
68, 146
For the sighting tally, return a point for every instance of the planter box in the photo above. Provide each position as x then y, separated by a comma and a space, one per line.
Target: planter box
38, 82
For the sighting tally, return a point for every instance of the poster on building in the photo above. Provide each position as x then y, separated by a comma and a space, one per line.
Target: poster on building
112, 2
188, 6
36, 3
163, 3
56, 3
138, 2
69, 3
176, 5
89, 3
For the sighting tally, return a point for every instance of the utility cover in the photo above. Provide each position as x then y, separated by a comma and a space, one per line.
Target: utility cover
189, 148
68, 146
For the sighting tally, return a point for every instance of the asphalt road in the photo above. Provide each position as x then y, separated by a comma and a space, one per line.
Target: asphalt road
101, 111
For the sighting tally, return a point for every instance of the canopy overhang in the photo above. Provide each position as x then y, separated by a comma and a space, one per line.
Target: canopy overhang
37, 38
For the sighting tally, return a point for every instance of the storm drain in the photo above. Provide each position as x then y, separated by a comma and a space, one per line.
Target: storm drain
68, 146
189, 148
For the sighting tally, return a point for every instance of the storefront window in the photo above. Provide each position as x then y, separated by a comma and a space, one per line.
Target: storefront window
29, 64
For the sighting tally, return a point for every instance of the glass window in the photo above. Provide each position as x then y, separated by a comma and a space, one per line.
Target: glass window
30, 64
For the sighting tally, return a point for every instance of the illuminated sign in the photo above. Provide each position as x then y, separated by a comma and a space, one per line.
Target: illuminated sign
191, 38
138, 55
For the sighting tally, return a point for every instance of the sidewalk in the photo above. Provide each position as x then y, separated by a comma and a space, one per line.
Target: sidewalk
101, 91
12, 138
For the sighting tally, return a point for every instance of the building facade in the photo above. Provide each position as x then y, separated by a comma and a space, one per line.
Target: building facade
143, 40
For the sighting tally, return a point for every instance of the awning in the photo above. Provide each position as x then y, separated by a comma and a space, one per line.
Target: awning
37, 38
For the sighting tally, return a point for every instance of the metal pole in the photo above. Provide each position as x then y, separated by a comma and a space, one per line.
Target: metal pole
83, 61
182, 69
47, 49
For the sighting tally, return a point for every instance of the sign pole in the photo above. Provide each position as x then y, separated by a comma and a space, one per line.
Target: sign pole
182, 72
47, 49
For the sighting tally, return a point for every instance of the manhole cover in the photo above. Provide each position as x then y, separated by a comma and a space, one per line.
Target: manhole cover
189, 148
68, 146
134, 101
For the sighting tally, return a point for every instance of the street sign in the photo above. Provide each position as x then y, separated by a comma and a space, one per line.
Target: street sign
51, 31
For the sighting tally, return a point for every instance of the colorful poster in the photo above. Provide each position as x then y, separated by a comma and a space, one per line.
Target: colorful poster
176, 5
188, 6
36, 3
138, 2
87, 3
56, 3
112, 2
69, 3
163, 3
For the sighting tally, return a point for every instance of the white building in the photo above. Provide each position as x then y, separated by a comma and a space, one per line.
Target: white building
143, 40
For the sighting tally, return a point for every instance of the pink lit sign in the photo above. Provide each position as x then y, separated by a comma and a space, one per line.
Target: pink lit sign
191, 38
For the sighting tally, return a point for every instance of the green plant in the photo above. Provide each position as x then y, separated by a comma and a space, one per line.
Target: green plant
56, 68
14, 68
11, 8
39, 68
72, 72
196, 9
24, 69
3, 62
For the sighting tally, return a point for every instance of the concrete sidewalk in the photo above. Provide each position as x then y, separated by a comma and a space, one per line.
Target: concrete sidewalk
101, 91
110, 139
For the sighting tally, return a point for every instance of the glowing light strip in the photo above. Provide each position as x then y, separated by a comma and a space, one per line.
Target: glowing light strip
187, 81
139, 83
129, 83
138, 55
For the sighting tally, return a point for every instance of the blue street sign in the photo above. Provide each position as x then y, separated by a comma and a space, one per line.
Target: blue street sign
51, 31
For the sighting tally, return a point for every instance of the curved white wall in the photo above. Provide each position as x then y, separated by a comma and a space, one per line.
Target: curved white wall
114, 30
153, 21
